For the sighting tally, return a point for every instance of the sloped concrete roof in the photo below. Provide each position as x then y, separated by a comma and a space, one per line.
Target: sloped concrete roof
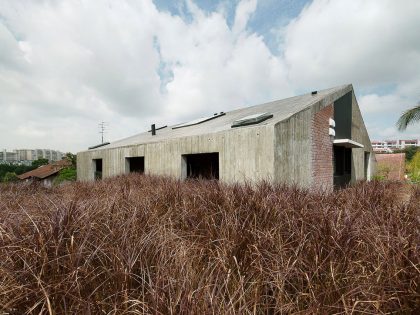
281, 110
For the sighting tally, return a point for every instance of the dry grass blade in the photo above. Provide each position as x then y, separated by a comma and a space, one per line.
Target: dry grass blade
152, 245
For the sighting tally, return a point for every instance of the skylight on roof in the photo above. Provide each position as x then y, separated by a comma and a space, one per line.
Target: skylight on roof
251, 119
198, 121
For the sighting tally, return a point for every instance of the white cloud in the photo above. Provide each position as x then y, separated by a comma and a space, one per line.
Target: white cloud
374, 103
372, 44
101, 60
363, 42
217, 68
244, 10
67, 65
381, 113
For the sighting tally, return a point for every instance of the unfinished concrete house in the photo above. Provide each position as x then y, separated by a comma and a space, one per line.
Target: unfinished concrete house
316, 140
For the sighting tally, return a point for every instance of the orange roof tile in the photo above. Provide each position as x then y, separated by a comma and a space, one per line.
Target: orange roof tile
45, 171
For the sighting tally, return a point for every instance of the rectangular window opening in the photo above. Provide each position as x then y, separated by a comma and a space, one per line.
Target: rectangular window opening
367, 165
342, 166
97, 169
135, 164
201, 166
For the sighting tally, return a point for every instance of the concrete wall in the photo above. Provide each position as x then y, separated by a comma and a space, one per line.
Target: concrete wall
360, 134
304, 150
244, 154
297, 150
292, 155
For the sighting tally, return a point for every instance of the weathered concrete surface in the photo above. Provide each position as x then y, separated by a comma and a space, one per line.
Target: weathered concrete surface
278, 149
292, 150
243, 154
359, 134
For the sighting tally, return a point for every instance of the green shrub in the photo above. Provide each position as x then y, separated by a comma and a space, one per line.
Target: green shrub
10, 177
65, 175
382, 173
39, 162
413, 168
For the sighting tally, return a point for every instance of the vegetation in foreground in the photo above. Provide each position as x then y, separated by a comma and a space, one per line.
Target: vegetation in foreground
150, 245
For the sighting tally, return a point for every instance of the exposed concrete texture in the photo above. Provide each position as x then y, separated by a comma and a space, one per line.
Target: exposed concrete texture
360, 134
243, 154
281, 110
278, 149
292, 150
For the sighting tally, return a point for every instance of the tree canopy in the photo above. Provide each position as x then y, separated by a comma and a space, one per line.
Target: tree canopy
40, 162
409, 117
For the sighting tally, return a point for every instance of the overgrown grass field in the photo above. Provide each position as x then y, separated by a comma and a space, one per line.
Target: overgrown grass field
150, 245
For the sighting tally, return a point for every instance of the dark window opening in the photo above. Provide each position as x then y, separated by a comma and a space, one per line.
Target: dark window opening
342, 116
367, 160
203, 166
97, 164
342, 166
135, 164
342, 160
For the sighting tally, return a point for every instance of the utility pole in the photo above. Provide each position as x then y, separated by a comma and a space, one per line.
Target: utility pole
103, 126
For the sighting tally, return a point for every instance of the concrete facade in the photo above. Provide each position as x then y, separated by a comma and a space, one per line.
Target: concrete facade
26, 156
389, 146
294, 146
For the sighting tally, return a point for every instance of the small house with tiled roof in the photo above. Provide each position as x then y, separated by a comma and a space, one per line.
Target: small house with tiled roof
45, 173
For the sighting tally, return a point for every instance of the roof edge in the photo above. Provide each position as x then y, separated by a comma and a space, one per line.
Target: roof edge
325, 101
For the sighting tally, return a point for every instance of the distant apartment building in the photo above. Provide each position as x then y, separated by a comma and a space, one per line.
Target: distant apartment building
25, 156
8, 157
389, 146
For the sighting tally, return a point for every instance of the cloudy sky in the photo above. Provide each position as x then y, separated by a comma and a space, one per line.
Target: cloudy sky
65, 66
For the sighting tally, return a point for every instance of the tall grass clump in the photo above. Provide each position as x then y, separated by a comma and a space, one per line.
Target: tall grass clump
151, 245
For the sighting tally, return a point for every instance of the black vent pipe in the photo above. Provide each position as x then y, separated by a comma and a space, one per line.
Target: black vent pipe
153, 130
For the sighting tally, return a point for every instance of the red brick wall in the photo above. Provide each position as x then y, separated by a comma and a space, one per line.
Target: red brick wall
322, 150
391, 166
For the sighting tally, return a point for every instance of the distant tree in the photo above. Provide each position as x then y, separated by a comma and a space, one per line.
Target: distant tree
72, 158
66, 174
409, 117
18, 169
4, 168
10, 177
40, 162
413, 168
409, 152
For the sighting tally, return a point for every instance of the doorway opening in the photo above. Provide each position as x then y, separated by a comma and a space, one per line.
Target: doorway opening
202, 165
342, 166
135, 164
97, 169
367, 165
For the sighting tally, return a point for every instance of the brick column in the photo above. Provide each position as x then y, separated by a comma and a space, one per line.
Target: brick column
322, 150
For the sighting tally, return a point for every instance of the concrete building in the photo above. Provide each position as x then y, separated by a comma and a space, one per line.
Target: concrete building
25, 156
389, 146
316, 140
8, 157
45, 174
